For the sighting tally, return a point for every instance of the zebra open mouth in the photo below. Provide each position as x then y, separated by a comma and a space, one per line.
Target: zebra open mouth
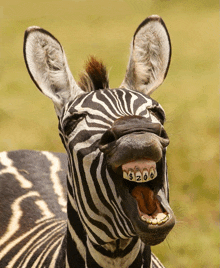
149, 208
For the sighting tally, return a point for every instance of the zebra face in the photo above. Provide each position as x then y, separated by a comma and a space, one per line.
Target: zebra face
115, 138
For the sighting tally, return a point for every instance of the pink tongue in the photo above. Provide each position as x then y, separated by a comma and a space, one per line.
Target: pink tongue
147, 203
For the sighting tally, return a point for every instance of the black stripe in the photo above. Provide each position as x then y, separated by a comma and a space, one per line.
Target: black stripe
97, 106
83, 136
93, 170
93, 124
111, 105
90, 261
111, 197
74, 219
89, 199
74, 258
119, 101
76, 182
137, 262
118, 253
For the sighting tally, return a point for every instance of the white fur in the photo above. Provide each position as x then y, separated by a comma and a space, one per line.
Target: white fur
55, 167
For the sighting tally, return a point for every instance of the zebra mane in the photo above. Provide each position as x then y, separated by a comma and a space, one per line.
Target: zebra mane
94, 77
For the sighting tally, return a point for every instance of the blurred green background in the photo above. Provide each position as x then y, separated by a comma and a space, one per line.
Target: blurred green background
188, 95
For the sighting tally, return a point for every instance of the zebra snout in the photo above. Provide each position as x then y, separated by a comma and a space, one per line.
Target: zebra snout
131, 147
130, 125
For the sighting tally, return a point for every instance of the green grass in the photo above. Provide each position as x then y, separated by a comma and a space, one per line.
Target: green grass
189, 96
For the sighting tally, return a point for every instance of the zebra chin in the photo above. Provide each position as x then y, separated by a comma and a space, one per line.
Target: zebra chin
137, 164
151, 233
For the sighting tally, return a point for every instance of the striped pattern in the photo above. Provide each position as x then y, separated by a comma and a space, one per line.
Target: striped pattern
32, 208
98, 202
38, 239
92, 192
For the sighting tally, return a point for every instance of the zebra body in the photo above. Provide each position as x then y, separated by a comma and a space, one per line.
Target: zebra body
117, 186
30, 239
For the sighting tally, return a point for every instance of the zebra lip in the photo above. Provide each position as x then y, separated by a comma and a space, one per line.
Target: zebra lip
132, 147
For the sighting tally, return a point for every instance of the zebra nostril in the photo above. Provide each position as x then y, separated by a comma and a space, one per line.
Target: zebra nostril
107, 138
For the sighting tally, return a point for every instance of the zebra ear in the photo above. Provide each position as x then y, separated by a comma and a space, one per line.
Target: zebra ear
150, 56
47, 65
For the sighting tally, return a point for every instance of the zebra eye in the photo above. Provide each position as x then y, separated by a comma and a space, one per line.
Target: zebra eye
71, 122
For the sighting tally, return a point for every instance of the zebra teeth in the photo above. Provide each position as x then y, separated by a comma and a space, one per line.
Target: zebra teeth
145, 175
125, 175
154, 222
152, 174
158, 220
140, 171
138, 176
131, 176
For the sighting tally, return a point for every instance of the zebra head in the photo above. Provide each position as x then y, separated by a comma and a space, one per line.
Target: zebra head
115, 138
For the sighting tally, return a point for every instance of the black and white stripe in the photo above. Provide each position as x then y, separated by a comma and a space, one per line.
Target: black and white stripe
30, 182
39, 243
87, 163
105, 220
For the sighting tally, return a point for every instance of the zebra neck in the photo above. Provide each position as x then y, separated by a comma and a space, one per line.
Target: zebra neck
82, 252
120, 253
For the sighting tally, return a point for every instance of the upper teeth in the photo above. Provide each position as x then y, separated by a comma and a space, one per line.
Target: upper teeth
139, 171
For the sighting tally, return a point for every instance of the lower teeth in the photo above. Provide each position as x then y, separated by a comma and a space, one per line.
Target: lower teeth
159, 219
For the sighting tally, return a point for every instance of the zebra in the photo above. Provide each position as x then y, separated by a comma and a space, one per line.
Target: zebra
117, 203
